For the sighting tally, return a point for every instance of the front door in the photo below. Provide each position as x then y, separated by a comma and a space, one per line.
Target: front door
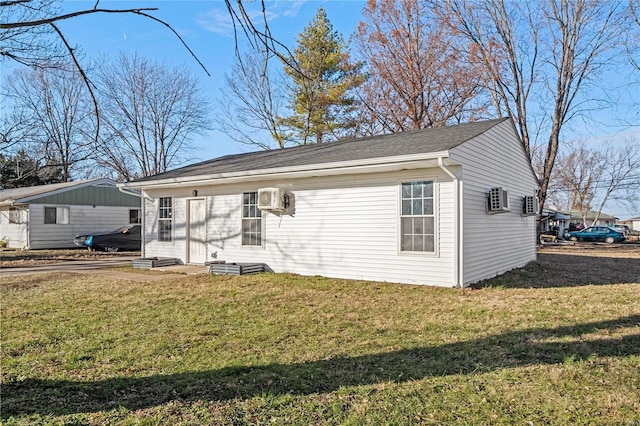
197, 232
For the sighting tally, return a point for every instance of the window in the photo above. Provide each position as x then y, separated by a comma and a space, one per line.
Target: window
134, 216
15, 215
251, 220
417, 220
165, 219
56, 215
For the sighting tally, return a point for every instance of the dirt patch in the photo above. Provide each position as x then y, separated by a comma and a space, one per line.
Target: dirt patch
577, 265
631, 251
15, 258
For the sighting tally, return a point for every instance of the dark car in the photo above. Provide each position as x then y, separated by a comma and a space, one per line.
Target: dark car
123, 238
596, 233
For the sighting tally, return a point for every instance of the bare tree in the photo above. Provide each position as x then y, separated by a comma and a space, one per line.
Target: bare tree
30, 45
252, 102
417, 76
590, 177
633, 40
56, 118
554, 49
150, 113
29, 34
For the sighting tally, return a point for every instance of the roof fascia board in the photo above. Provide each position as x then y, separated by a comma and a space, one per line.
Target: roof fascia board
413, 161
61, 190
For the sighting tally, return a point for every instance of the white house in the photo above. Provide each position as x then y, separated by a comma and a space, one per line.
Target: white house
446, 206
50, 216
633, 223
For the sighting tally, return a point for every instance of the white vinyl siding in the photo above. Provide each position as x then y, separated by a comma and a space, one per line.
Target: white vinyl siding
494, 244
177, 246
16, 215
14, 233
341, 226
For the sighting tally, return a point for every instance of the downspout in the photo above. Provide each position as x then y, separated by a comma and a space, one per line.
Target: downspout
458, 275
28, 210
142, 197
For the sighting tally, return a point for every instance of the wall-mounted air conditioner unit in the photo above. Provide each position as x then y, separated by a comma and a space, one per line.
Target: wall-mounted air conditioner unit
271, 199
497, 200
529, 205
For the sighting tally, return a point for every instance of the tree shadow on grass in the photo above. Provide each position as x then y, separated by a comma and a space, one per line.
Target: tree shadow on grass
564, 270
492, 353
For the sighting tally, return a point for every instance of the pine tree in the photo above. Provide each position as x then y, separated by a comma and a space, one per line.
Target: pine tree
322, 79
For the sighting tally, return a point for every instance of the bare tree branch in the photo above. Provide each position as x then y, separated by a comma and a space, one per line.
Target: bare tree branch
136, 11
86, 80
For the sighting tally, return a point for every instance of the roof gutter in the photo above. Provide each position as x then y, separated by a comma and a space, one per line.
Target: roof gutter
308, 170
458, 274
121, 187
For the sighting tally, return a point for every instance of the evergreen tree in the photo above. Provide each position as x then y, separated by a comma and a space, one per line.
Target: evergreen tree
322, 79
20, 171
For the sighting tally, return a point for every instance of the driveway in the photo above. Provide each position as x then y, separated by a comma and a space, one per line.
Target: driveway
68, 266
101, 267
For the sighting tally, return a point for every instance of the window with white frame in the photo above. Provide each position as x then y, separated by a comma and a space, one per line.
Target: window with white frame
134, 216
15, 215
417, 219
165, 219
56, 215
251, 220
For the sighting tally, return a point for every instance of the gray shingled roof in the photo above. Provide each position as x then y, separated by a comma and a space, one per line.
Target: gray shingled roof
405, 143
15, 194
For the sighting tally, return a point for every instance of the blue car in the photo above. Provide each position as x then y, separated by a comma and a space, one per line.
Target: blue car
603, 234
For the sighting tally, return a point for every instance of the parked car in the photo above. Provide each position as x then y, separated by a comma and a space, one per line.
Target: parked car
623, 228
123, 238
596, 233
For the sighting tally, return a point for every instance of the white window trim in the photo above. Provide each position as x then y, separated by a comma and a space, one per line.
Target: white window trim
139, 217
171, 219
436, 221
262, 224
58, 210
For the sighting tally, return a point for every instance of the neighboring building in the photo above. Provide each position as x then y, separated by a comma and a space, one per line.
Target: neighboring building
603, 218
633, 223
554, 221
50, 216
416, 207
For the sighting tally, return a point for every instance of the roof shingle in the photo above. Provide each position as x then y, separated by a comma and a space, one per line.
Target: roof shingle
404, 143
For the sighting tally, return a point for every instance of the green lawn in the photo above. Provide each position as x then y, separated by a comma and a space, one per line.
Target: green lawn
285, 349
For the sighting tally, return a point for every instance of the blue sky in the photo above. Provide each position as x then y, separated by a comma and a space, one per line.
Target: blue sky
205, 25
207, 29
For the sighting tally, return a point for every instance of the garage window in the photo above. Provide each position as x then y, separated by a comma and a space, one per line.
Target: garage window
165, 219
134, 216
56, 215
417, 219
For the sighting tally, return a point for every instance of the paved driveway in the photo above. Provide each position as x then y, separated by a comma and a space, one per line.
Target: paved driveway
70, 266
101, 267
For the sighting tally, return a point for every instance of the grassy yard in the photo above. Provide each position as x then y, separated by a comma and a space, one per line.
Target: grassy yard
285, 349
